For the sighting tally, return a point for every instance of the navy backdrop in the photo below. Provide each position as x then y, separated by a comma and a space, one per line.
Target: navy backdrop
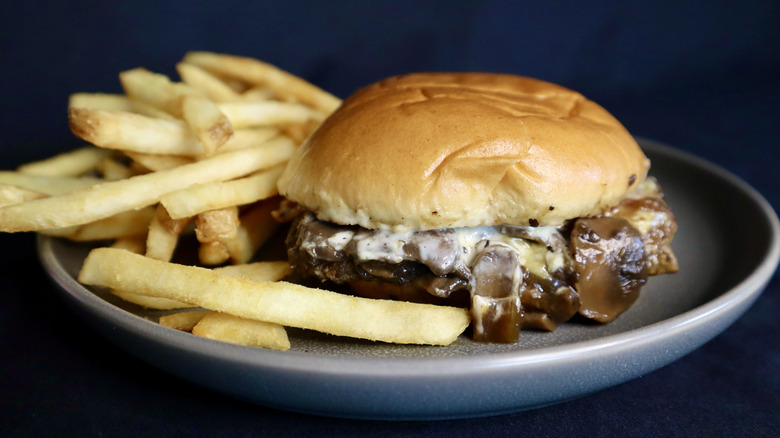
701, 76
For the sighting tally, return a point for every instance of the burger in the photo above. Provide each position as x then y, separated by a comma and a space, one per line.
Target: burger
514, 197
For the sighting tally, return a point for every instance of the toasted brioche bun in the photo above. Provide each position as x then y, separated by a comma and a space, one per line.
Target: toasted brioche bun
444, 150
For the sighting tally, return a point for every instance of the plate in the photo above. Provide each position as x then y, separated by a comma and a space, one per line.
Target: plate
724, 266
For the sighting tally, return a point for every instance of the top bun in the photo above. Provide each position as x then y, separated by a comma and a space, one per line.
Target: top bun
443, 150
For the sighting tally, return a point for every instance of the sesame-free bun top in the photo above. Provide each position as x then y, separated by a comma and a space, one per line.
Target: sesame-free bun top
443, 150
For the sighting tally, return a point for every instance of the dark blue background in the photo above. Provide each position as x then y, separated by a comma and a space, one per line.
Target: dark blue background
701, 76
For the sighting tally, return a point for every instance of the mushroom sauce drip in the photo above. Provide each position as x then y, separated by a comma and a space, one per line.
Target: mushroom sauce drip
511, 277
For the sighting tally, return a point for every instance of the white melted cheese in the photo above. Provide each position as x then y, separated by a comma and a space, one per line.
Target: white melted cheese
479, 308
532, 255
644, 220
382, 245
389, 247
340, 239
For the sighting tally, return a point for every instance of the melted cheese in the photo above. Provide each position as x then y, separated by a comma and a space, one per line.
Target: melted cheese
389, 247
382, 245
340, 240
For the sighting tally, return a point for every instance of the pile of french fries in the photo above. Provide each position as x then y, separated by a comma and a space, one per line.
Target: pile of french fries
199, 157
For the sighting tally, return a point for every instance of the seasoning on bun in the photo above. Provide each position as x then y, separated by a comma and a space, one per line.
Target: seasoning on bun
515, 197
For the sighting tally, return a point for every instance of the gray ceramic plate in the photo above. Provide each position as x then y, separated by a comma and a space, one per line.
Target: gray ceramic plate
723, 269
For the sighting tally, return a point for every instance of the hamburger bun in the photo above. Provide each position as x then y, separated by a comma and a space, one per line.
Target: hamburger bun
444, 150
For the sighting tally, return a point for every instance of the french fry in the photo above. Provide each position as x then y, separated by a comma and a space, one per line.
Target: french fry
244, 138
156, 90
213, 253
156, 162
269, 271
107, 199
10, 195
210, 85
241, 139
112, 170
259, 92
267, 113
208, 123
126, 223
72, 163
134, 132
183, 321
217, 225
50, 185
284, 84
203, 197
115, 102
217, 231
145, 109
282, 303
103, 101
137, 244
261, 271
149, 302
235, 330
210, 126
256, 226
237, 85
228, 328
163, 236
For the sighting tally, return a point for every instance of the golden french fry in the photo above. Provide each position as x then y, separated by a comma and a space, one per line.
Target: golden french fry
236, 85
149, 302
10, 195
255, 228
217, 225
163, 236
135, 243
217, 231
210, 85
183, 321
278, 302
207, 122
72, 163
103, 101
210, 126
270, 271
112, 170
126, 223
156, 162
212, 196
134, 132
115, 102
49, 185
243, 138
257, 93
107, 199
212, 253
156, 90
269, 112
235, 330
148, 110
256, 72
261, 271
